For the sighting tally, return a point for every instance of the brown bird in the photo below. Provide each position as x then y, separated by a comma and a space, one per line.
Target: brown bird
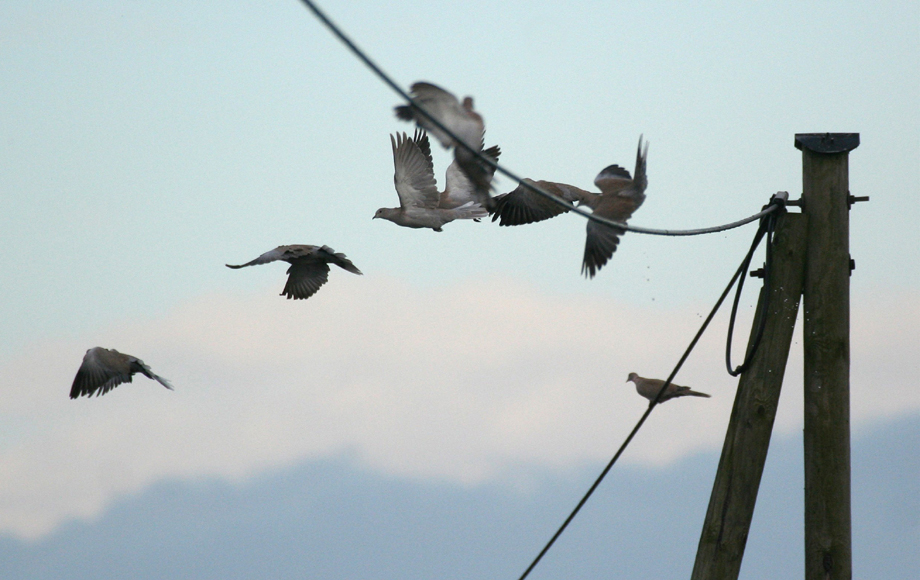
620, 196
420, 204
462, 121
104, 369
309, 267
649, 388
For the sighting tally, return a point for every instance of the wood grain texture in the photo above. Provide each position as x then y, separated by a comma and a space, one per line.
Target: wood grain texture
827, 367
734, 492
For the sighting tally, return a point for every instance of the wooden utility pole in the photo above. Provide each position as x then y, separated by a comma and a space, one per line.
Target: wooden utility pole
744, 453
826, 198
811, 258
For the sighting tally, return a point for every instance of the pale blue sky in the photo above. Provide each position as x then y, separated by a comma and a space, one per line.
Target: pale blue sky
143, 146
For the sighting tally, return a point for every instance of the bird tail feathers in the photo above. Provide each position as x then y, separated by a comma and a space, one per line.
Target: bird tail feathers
143, 368
470, 210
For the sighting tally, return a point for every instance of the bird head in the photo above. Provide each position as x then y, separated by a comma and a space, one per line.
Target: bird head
388, 213
632, 377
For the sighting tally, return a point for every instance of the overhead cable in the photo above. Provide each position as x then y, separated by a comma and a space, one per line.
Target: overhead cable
777, 202
488, 161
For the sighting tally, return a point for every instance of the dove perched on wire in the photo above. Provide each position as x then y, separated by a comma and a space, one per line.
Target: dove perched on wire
620, 196
420, 203
649, 388
309, 267
464, 122
104, 369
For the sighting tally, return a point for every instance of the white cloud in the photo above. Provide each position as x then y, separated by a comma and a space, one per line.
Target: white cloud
470, 383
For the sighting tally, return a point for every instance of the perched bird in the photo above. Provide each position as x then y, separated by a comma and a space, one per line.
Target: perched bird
104, 369
462, 121
649, 388
309, 267
620, 196
420, 204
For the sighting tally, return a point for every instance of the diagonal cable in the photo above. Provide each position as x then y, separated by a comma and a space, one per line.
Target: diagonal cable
741, 269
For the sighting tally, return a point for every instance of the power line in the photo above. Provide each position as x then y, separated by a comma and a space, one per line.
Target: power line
766, 226
485, 159
767, 216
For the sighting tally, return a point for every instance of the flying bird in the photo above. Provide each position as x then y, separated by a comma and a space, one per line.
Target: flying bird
104, 369
420, 203
309, 267
620, 196
649, 388
464, 122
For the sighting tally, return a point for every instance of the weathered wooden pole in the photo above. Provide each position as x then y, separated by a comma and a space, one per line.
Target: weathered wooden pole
825, 195
744, 453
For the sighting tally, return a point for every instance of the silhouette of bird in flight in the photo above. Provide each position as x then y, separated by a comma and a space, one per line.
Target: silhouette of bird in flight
620, 196
309, 267
464, 122
420, 203
104, 369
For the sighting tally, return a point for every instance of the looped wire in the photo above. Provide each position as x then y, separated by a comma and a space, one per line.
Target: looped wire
766, 228
768, 222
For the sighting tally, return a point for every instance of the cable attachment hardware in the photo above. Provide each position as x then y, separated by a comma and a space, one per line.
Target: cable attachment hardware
851, 199
780, 197
793, 202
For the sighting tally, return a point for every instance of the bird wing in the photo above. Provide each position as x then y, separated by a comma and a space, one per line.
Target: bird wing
414, 177
652, 386
305, 277
460, 188
280, 253
330, 255
102, 370
613, 179
640, 178
443, 106
523, 206
621, 196
602, 240
463, 121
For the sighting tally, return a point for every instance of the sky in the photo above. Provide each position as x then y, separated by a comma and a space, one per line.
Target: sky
142, 147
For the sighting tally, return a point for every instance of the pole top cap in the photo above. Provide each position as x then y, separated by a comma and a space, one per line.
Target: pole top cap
827, 142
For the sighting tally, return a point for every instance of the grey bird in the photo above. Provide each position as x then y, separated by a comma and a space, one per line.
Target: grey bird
104, 369
649, 388
420, 203
620, 196
464, 122
309, 267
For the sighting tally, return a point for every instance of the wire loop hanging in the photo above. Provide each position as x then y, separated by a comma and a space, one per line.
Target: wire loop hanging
767, 217
766, 228
777, 206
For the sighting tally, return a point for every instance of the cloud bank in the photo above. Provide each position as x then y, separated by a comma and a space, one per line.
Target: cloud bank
472, 383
